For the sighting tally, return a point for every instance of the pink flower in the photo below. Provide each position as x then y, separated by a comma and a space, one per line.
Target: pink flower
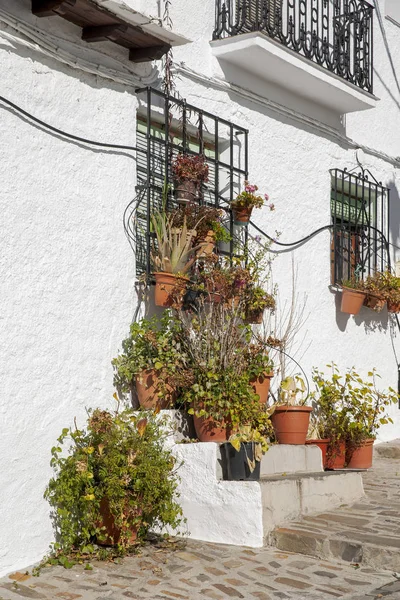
251, 188
271, 206
266, 197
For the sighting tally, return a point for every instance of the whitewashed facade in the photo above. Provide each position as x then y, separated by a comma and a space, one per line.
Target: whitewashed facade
67, 271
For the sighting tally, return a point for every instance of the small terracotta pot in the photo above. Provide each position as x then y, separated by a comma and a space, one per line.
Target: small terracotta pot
254, 317
352, 301
208, 430
290, 423
361, 458
261, 386
165, 284
207, 244
242, 215
393, 307
336, 457
147, 383
112, 533
374, 302
323, 446
186, 191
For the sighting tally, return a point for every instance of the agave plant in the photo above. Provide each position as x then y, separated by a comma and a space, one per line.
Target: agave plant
174, 252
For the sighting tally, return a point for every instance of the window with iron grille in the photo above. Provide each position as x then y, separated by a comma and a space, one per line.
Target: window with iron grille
360, 218
167, 126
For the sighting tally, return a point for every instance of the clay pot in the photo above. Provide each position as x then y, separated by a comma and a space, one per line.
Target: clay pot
185, 191
242, 215
323, 446
376, 303
336, 457
208, 430
112, 534
254, 317
352, 301
147, 384
207, 244
393, 307
165, 284
290, 423
361, 458
261, 386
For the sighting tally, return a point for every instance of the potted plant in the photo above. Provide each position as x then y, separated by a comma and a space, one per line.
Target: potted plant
244, 203
353, 296
389, 286
114, 482
367, 408
150, 362
260, 370
189, 172
173, 257
243, 453
374, 286
206, 221
257, 301
290, 416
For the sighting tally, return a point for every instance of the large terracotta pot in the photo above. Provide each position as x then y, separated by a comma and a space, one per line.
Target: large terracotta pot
242, 215
208, 430
112, 533
147, 388
261, 386
352, 301
374, 302
290, 423
186, 191
336, 456
362, 457
323, 446
165, 284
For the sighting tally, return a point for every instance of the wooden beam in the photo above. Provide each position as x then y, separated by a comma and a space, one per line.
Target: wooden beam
138, 55
47, 8
102, 33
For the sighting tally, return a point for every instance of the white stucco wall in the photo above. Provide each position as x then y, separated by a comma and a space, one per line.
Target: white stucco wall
67, 293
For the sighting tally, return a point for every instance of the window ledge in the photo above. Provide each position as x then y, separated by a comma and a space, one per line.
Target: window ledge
270, 61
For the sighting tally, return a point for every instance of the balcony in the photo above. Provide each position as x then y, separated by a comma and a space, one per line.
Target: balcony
321, 50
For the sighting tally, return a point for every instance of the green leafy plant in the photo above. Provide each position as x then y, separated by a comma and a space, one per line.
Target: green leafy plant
258, 361
259, 442
257, 299
121, 459
174, 252
152, 344
292, 391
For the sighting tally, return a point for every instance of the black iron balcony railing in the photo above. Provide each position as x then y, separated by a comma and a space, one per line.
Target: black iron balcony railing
335, 34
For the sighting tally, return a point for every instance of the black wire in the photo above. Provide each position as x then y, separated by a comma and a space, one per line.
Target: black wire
305, 239
64, 133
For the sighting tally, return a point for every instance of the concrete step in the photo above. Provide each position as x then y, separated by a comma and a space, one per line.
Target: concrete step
366, 532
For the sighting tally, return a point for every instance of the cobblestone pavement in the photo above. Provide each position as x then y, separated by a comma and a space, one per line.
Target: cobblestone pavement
197, 570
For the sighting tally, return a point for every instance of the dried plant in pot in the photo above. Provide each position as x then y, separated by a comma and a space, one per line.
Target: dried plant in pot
172, 256
244, 203
113, 482
189, 172
353, 296
151, 362
389, 287
290, 416
374, 285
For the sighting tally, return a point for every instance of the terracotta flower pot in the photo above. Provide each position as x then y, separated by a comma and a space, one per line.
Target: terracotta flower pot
147, 388
166, 283
207, 243
242, 215
112, 533
261, 386
336, 456
352, 301
208, 430
393, 307
254, 317
186, 191
290, 423
374, 302
323, 446
361, 458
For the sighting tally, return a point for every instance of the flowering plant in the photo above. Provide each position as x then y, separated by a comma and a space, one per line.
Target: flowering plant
190, 168
250, 199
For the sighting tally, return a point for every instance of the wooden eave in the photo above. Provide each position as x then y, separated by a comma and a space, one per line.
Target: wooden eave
99, 25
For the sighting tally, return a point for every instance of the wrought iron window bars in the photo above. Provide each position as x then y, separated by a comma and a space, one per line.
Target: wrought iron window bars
335, 34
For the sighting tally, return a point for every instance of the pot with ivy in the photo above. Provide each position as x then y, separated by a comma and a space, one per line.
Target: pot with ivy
244, 203
173, 255
353, 296
290, 416
243, 453
113, 481
151, 362
189, 173
260, 370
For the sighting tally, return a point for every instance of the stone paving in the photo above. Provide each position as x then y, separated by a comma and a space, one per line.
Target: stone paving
195, 570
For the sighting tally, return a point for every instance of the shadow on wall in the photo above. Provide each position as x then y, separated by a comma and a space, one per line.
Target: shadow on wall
394, 220
372, 321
